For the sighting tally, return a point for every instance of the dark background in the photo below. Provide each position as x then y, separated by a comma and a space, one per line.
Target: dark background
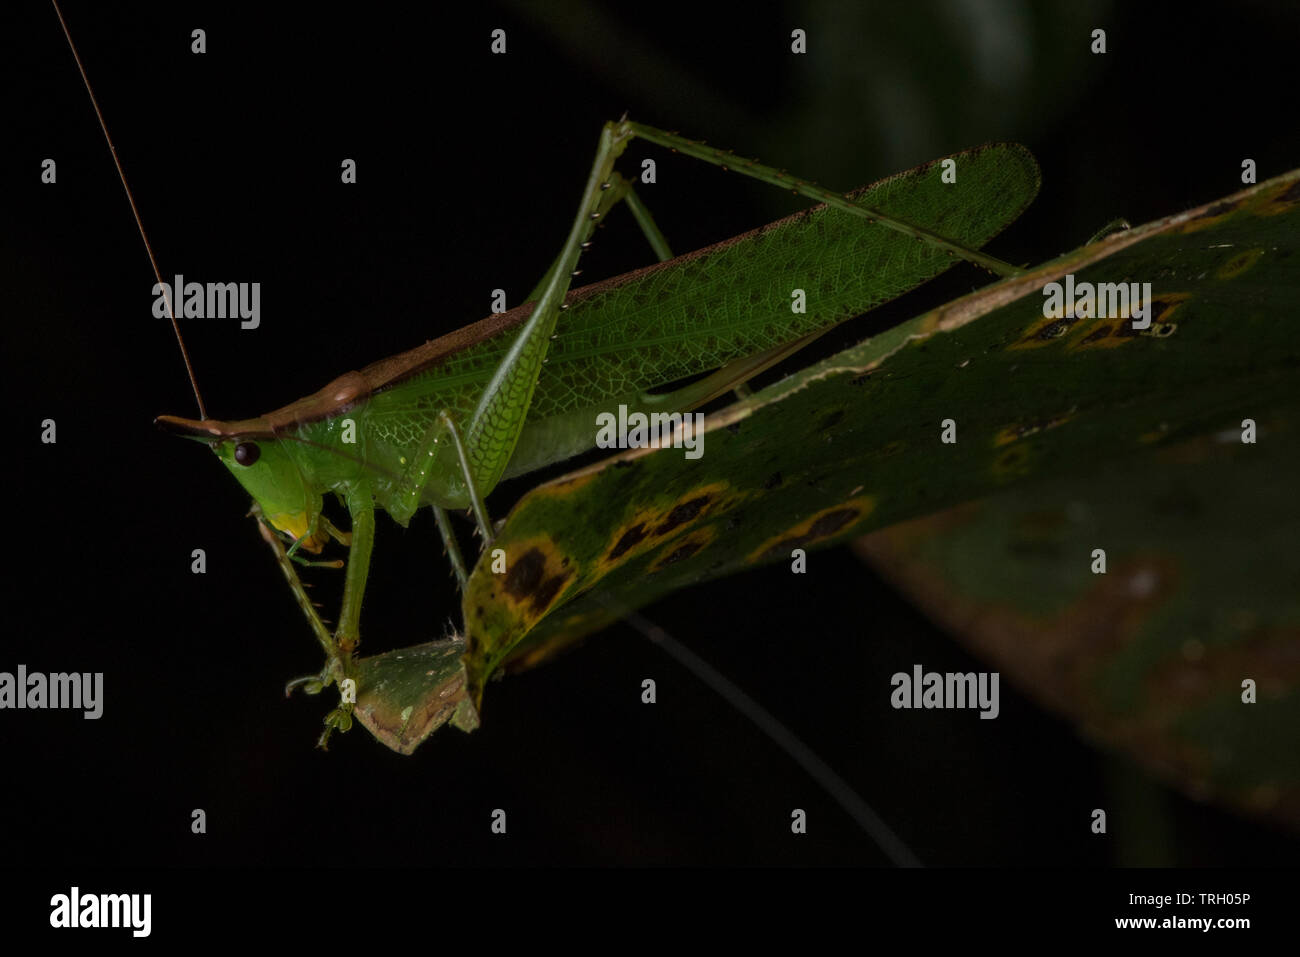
470, 166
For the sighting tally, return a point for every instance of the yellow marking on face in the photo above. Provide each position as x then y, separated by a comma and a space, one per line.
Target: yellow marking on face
297, 525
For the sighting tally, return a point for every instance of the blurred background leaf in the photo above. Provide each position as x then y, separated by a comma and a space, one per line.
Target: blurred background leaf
1201, 591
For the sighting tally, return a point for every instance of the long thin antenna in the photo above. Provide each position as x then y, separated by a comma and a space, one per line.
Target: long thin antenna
821, 772
153, 261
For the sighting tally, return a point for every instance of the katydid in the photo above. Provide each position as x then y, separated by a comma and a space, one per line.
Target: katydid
442, 424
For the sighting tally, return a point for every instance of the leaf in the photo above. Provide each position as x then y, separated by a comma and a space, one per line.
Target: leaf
852, 444
403, 696
1201, 591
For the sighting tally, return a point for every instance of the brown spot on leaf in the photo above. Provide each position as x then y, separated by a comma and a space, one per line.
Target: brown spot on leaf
1165, 305
823, 525
681, 551
1100, 332
1107, 334
1281, 199
1212, 216
681, 514
528, 580
1043, 332
525, 573
547, 590
651, 525
1055, 329
831, 522
1019, 430
686, 548
631, 537
1125, 330
831, 420
1238, 264
1013, 463
1219, 209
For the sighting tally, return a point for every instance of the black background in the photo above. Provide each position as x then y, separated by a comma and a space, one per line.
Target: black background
470, 166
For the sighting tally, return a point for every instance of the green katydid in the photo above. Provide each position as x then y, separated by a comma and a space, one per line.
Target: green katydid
443, 424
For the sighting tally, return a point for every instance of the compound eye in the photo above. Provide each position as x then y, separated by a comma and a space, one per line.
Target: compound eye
246, 453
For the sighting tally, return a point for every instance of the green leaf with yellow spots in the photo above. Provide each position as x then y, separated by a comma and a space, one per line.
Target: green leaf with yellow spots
853, 443
1200, 594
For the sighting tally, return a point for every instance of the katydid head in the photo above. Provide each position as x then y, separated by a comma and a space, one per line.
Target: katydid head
265, 468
